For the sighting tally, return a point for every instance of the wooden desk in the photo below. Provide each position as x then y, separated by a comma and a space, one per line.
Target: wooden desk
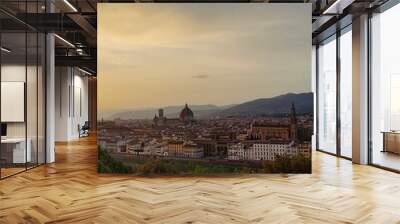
391, 141
13, 150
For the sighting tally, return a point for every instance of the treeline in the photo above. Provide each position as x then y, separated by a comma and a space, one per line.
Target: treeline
183, 167
157, 166
282, 164
107, 164
288, 164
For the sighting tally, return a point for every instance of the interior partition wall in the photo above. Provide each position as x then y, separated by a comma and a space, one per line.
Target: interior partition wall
22, 77
385, 89
334, 94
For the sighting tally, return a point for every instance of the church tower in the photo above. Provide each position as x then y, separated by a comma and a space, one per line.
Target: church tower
161, 113
293, 123
155, 120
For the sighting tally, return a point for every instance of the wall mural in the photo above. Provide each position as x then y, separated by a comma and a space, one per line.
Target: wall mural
197, 89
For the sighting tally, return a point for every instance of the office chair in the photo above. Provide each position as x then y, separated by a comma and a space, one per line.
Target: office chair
84, 130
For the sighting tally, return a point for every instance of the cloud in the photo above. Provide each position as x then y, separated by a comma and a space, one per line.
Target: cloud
201, 76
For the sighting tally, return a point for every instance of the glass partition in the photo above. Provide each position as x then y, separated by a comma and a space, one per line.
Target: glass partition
41, 97
346, 93
13, 109
385, 89
327, 95
22, 88
31, 98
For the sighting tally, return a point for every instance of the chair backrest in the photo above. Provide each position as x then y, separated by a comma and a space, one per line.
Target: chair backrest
86, 125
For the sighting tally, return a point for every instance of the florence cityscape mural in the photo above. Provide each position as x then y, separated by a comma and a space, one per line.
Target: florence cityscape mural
190, 89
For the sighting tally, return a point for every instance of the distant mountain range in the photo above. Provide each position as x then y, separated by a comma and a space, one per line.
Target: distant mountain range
272, 106
278, 105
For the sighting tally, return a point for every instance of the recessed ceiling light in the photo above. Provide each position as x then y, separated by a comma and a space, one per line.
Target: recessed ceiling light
337, 7
5, 50
64, 40
70, 5
84, 71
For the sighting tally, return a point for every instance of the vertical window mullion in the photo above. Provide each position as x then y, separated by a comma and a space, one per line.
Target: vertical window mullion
369, 91
317, 97
26, 87
338, 76
37, 90
0, 92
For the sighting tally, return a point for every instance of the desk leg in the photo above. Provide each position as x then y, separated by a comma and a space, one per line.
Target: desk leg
384, 142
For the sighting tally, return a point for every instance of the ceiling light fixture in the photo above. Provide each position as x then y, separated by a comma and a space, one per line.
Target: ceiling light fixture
334, 8
326, 11
84, 71
5, 50
70, 5
64, 40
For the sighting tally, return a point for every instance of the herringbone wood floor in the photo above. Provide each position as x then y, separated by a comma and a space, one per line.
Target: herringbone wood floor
70, 191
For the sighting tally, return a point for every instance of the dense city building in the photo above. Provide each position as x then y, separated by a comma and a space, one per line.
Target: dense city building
267, 130
233, 138
266, 150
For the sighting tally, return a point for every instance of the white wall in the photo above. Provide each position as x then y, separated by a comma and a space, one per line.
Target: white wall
33, 127
81, 104
62, 81
12, 73
71, 102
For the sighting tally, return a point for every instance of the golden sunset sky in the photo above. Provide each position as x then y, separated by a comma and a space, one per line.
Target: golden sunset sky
155, 55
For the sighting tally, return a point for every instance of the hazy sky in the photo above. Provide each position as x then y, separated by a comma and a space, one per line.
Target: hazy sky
154, 55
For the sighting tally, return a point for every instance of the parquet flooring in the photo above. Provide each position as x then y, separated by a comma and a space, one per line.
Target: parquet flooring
70, 191
5, 172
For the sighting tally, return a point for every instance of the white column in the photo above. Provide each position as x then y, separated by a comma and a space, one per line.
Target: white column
50, 92
360, 90
50, 98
